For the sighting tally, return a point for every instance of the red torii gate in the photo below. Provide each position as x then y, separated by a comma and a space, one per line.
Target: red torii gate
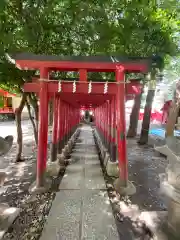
108, 100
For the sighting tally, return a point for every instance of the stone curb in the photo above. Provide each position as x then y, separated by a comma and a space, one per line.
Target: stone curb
112, 168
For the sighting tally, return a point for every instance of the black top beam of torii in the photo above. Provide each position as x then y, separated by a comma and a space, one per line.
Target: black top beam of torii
152, 61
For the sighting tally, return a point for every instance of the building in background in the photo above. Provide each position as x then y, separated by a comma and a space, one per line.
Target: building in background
8, 103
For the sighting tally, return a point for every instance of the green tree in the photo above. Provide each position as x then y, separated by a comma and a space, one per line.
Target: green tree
75, 27
156, 35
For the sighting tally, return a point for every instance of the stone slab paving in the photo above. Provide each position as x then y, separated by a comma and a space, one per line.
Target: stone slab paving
64, 217
82, 210
97, 218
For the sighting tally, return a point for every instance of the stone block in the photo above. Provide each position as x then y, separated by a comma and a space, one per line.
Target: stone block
7, 217
174, 217
112, 169
34, 189
52, 168
130, 189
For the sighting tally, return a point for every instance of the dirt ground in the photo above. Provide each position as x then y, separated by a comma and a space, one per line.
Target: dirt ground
144, 170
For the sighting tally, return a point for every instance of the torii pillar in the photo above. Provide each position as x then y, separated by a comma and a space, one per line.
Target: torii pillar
43, 132
121, 184
54, 144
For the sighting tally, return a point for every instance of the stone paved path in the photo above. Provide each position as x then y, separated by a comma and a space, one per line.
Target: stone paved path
81, 209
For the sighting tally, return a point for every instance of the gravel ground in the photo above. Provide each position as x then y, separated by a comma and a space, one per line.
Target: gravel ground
144, 170
33, 209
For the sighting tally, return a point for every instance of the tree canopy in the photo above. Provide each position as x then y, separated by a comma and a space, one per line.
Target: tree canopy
74, 27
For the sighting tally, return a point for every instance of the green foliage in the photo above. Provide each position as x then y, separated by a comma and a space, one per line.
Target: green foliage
1, 102
172, 70
74, 27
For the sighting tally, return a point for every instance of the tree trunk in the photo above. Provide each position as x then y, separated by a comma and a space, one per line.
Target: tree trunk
147, 117
134, 117
36, 111
34, 103
173, 113
18, 114
33, 123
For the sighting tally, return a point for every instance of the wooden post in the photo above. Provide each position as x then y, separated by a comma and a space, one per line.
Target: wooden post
113, 130
59, 132
106, 122
121, 127
65, 123
43, 129
54, 145
109, 125
62, 125
83, 75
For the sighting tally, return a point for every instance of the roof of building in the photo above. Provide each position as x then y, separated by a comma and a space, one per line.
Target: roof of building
5, 93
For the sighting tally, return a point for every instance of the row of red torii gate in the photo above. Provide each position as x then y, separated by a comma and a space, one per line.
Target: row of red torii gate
107, 99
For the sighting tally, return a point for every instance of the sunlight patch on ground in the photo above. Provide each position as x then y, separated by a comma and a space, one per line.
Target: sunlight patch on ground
9, 211
9, 128
139, 219
20, 169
